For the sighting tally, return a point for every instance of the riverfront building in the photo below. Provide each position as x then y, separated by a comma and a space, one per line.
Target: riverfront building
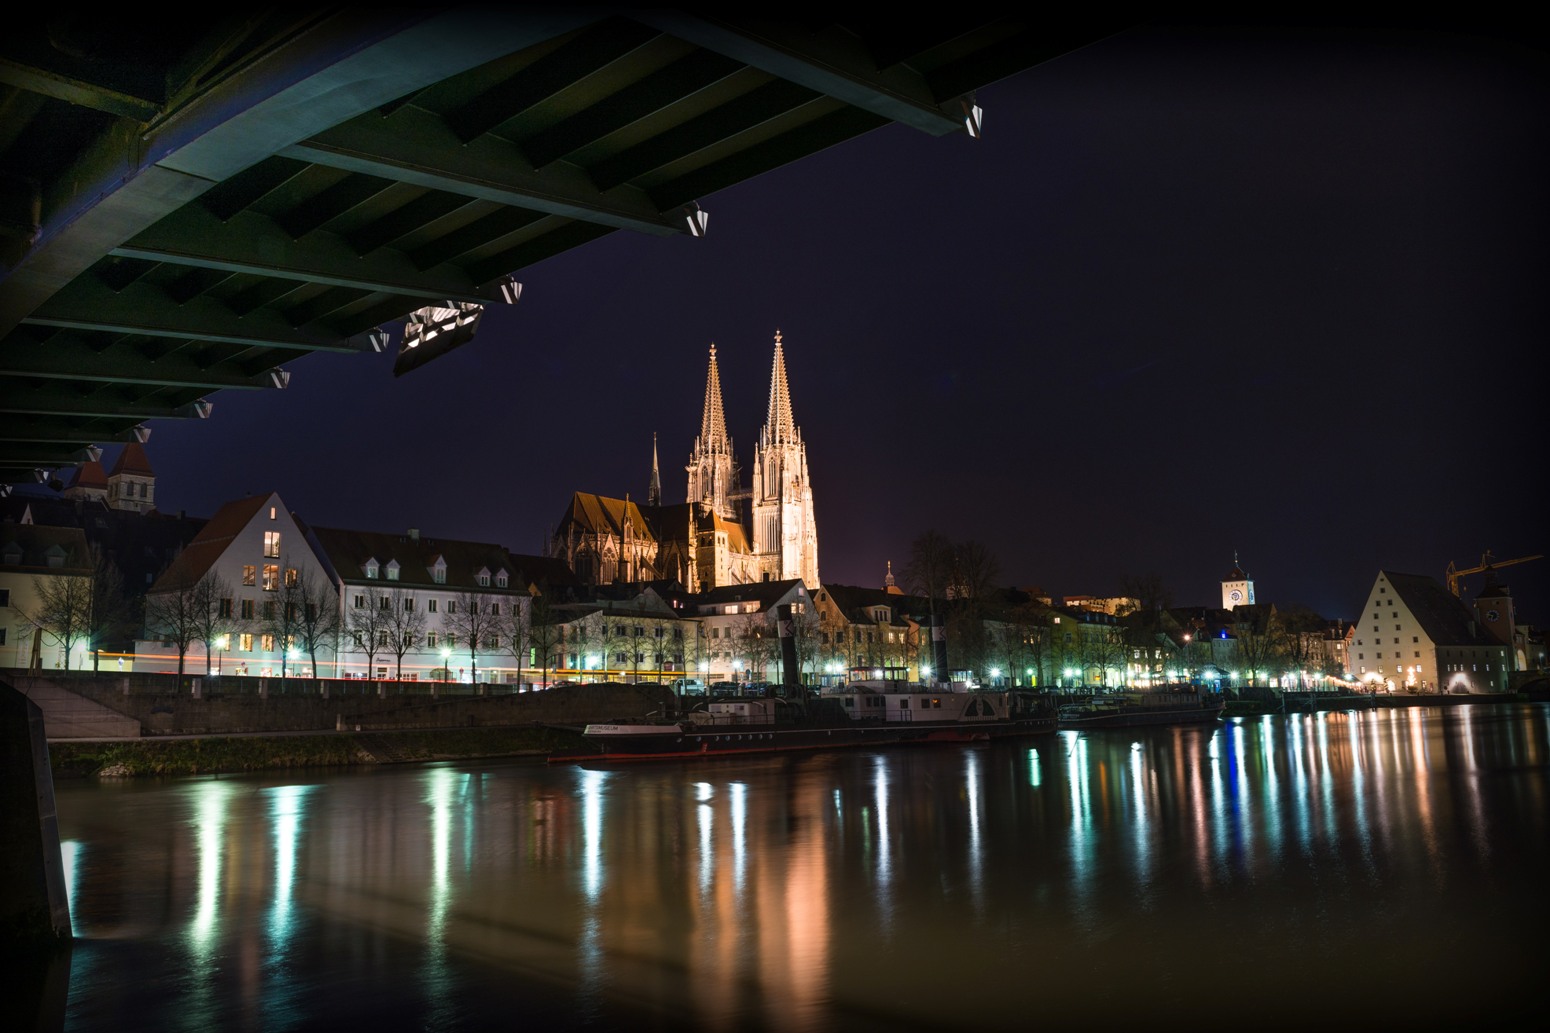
1414, 634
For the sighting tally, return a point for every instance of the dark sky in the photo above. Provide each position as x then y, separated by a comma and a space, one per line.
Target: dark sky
1197, 290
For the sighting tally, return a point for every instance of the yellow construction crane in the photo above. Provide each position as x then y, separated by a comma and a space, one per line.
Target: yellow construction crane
1486, 563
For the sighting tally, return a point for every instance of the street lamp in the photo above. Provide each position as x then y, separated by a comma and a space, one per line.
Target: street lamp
446, 660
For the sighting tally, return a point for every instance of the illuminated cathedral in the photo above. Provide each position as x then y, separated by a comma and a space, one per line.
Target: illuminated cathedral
705, 542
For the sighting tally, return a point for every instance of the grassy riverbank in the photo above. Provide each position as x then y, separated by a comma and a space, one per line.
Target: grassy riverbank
209, 755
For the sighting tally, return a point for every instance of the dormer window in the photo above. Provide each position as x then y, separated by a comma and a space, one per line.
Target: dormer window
371, 569
483, 577
501, 579
439, 571
392, 570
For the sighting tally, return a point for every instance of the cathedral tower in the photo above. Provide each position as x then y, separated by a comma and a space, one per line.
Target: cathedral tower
785, 536
712, 472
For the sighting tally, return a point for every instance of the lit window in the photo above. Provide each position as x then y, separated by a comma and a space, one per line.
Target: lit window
290, 577
250, 575
272, 544
245, 642
266, 643
271, 576
271, 512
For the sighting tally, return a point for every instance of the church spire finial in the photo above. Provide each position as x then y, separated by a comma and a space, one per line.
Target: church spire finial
654, 490
713, 421
779, 426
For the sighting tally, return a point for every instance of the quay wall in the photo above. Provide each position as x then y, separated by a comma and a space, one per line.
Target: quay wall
254, 706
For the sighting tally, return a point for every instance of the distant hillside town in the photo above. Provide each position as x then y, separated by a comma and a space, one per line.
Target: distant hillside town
93, 576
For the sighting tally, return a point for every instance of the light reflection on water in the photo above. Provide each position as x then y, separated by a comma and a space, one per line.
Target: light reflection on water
1342, 866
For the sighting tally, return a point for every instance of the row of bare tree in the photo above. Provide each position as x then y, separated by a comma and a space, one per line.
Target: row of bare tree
304, 614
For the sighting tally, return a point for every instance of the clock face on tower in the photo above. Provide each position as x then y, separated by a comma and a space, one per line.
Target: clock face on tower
1235, 595
1491, 616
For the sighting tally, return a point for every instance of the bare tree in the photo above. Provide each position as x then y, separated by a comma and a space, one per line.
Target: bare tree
757, 641
544, 630
1254, 642
590, 635
367, 624
975, 569
405, 624
472, 620
321, 623
63, 609
515, 631
804, 635
1104, 650
211, 614
172, 614
282, 616
110, 611
930, 566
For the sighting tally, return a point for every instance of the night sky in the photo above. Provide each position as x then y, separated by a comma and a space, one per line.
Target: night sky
1197, 290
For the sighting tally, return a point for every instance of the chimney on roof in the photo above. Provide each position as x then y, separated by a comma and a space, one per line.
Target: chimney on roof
414, 534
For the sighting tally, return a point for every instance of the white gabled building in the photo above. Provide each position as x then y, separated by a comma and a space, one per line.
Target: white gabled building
251, 549
430, 594
1413, 634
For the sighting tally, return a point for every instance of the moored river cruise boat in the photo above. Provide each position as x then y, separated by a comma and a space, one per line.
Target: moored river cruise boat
861, 712
1173, 705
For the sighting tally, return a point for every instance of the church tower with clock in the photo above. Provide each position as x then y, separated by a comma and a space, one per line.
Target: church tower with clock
1237, 587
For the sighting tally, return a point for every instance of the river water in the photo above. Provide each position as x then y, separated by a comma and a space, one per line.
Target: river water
1383, 868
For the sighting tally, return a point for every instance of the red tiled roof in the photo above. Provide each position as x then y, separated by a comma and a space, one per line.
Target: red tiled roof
132, 460
208, 545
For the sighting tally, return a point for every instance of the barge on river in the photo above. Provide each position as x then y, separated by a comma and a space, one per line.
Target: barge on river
1176, 705
861, 712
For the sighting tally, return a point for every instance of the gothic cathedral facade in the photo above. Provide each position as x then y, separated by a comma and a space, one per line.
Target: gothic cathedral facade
704, 543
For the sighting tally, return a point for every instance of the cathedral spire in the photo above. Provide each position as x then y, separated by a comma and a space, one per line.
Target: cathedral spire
713, 422
712, 471
654, 490
779, 426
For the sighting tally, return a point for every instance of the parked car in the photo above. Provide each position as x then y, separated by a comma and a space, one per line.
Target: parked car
689, 687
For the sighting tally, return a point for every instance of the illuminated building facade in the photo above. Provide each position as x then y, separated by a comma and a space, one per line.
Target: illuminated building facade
1414, 635
704, 543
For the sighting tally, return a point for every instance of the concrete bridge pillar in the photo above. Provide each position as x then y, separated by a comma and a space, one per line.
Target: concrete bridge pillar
33, 905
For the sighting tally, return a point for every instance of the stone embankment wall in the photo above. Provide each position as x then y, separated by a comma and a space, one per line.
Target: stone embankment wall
236, 706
